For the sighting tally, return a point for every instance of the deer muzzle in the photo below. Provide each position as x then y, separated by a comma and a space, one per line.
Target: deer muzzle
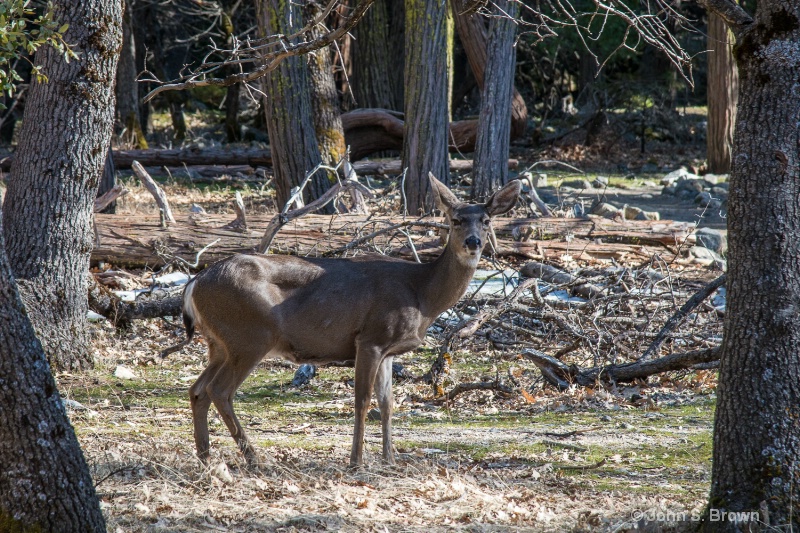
472, 243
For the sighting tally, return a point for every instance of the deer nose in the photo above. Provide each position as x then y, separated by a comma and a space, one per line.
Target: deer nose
472, 242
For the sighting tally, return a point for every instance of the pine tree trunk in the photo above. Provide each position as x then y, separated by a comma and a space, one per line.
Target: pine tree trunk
54, 178
426, 108
494, 123
372, 66
723, 91
473, 35
44, 480
756, 461
127, 88
288, 105
324, 97
397, 47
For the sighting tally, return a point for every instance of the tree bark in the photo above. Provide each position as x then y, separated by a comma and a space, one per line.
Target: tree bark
44, 480
757, 421
723, 92
372, 66
474, 38
324, 98
397, 39
50, 198
288, 105
426, 107
494, 122
127, 88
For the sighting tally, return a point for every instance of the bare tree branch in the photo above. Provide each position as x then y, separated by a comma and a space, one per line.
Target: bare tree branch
732, 13
254, 53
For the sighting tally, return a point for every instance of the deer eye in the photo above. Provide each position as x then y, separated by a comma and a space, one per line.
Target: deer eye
486, 221
455, 222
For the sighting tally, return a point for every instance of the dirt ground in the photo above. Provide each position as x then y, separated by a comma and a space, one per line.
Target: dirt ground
612, 458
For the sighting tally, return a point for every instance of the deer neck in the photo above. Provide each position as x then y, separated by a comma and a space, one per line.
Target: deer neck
447, 281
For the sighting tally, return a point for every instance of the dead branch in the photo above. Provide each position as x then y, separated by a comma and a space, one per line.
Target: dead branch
240, 223
281, 219
557, 276
676, 319
101, 202
155, 190
121, 314
561, 375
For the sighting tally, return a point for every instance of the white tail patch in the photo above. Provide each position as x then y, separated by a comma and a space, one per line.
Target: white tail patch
188, 303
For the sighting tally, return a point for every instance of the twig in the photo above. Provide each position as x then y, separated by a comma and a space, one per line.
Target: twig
483, 385
598, 464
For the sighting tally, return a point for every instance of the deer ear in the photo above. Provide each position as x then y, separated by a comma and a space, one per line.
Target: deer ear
446, 201
503, 200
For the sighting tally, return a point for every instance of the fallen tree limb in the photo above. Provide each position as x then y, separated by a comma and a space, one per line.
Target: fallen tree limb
561, 375
157, 192
676, 319
104, 302
557, 276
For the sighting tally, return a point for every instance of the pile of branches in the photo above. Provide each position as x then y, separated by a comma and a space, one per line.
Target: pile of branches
612, 324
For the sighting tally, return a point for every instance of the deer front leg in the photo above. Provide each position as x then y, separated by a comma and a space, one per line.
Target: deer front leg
368, 361
383, 391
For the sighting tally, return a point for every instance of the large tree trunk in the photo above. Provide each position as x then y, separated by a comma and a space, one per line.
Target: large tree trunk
57, 166
372, 66
723, 91
44, 480
494, 122
291, 131
757, 422
324, 98
474, 38
426, 107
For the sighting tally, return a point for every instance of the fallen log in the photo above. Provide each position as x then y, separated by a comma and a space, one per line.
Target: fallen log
561, 375
138, 240
255, 157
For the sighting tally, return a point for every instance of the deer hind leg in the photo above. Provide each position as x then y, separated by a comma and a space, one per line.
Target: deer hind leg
368, 361
383, 392
221, 388
200, 401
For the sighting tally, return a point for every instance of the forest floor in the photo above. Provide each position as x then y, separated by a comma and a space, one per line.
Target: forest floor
602, 459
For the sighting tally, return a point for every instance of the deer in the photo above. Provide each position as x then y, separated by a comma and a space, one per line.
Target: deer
320, 310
